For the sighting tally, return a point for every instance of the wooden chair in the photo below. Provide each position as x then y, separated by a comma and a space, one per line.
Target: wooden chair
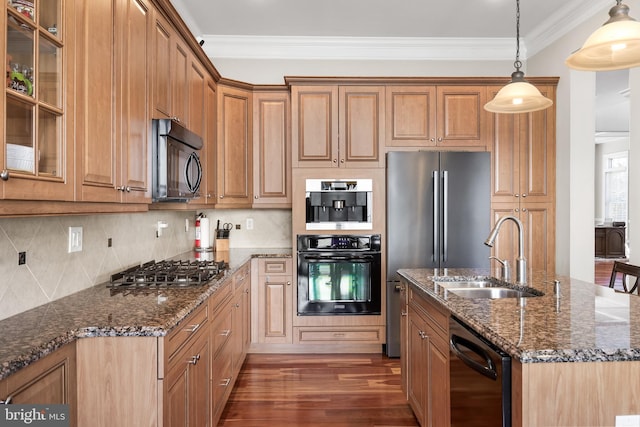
625, 270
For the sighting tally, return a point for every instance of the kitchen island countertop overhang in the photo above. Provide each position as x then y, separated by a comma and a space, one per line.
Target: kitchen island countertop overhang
583, 323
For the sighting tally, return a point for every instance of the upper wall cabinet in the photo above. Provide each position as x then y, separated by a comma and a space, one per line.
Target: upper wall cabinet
271, 149
338, 126
36, 159
209, 156
234, 144
112, 120
437, 116
178, 78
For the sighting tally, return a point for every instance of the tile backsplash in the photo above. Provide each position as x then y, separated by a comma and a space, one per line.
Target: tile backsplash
50, 272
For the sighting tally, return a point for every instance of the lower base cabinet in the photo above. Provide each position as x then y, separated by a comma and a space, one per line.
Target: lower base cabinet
182, 379
50, 380
426, 375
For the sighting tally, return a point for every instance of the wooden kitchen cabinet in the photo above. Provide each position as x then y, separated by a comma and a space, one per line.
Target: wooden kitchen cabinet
427, 365
112, 124
234, 147
437, 116
188, 369
208, 189
273, 301
523, 183
50, 380
271, 149
36, 149
338, 126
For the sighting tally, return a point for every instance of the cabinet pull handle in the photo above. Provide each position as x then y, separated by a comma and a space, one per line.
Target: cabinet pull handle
194, 359
6, 402
422, 334
225, 382
246, 291
403, 313
226, 332
192, 328
4, 175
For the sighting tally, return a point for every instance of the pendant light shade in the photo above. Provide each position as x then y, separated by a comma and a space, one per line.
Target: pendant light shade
518, 96
614, 46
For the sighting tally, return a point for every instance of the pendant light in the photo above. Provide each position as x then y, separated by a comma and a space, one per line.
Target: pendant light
518, 96
614, 46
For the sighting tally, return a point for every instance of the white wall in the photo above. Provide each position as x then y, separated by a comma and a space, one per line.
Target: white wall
575, 154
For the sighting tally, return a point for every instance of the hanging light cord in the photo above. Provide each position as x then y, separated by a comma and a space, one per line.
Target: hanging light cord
517, 64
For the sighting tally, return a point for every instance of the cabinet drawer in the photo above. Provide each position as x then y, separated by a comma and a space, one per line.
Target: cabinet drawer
274, 266
221, 330
439, 318
372, 334
188, 328
218, 300
222, 378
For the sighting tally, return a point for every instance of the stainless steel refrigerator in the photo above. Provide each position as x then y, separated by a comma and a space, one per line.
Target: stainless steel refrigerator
438, 216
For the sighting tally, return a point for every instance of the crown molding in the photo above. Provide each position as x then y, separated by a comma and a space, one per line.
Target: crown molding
568, 16
360, 48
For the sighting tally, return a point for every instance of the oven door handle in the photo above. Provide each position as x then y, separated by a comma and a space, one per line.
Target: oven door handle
488, 371
339, 257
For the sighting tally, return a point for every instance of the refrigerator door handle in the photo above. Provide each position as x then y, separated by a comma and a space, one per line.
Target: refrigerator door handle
445, 214
436, 185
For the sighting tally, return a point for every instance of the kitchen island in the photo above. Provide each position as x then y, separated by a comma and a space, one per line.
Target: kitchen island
575, 353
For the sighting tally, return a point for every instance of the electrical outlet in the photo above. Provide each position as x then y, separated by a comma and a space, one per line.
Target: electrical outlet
249, 223
627, 420
75, 239
22, 258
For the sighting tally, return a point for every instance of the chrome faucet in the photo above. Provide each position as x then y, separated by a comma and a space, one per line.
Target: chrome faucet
521, 263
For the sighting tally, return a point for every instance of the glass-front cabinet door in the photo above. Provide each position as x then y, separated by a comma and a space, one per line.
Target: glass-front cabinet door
36, 160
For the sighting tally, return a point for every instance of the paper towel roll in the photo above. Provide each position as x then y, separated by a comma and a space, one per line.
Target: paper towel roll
205, 233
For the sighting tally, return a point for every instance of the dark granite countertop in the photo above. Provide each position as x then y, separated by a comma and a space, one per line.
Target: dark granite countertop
587, 323
102, 311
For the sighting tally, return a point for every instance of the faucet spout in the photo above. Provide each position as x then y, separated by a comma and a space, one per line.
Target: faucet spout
521, 262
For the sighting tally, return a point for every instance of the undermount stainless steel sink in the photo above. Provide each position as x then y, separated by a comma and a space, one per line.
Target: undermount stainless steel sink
492, 292
484, 287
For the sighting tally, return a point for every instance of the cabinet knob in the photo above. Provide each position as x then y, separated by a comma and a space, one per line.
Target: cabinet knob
517, 210
4, 175
341, 160
127, 189
524, 209
403, 313
221, 196
175, 119
288, 283
440, 139
517, 195
255, 197
524, 195
335, 160
432, 140
194, 359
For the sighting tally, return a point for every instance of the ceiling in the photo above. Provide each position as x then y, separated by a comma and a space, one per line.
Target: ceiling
541, 21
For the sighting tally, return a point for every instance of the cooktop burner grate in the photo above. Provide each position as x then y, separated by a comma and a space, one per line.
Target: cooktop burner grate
169, 274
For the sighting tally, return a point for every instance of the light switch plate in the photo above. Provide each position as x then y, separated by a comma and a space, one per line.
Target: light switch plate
75, 239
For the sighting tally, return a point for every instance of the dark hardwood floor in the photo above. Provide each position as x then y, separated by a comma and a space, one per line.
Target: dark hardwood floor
603, 272
337, 390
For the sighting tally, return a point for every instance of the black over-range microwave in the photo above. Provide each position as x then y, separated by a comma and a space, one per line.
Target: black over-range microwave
176, 170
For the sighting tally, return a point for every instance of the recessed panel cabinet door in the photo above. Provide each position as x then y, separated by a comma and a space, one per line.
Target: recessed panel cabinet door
271, 150
234, 146
361, 126
96, 148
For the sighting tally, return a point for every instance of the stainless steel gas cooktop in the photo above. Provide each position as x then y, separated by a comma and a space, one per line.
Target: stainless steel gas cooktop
169, 274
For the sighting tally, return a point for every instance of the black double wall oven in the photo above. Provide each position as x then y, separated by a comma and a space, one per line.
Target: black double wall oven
339, 274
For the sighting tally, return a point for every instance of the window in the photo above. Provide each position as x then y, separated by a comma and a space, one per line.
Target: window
616, 186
